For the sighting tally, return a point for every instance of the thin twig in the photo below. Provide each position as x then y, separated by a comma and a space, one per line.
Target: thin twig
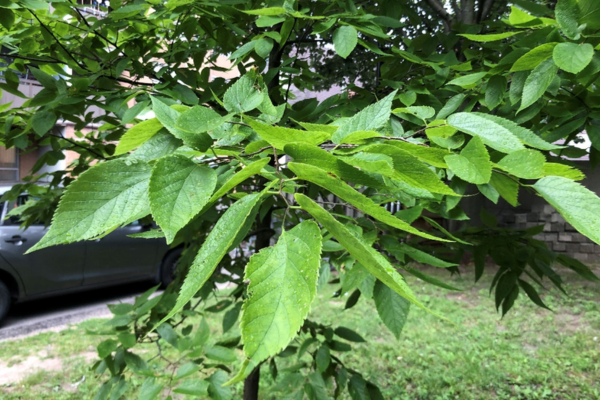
77, 144
57, 41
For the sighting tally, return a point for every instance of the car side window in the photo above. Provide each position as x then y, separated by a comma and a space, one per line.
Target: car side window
8, 206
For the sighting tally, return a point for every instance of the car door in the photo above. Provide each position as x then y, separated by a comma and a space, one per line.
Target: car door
117, 257
51, 269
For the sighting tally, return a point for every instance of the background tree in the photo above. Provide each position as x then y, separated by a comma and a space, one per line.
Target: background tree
477, 105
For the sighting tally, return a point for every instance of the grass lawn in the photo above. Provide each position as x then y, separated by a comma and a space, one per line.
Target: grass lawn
530, 354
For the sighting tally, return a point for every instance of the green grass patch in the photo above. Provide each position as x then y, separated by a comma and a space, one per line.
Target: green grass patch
529, 354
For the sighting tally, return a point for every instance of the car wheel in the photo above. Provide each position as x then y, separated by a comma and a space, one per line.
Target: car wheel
5, 300
168, 270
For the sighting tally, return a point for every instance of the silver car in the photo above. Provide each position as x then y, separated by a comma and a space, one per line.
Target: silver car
111, 260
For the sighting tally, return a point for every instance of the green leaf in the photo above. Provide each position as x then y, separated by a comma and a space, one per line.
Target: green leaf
243, 50
106, 196
493, 134
186, 370
159, 145
136, 364
554, 169
315, 388
119, 389
567, 16
467, 80
578, 205
137, 135
168, 117
220, 353
451, 105
493, 127
216, 390
278, 136
578, 267
199, 119
374, 262
202, 333
345, 39
128, 340
506, 187
43, 121
410, 170
420, 256
283, 282
423, 112
48, 81
516, 86
231, 316
7, 19
534, 57
526, 164
590, 13
573, 57
353, 197
490, 192
496, 88
266, 11
168, 334
359, 137
150, 389
492, 37
192, 387
429, 279
537, 82
532, 294
318, 127
322, 358
357, 388
179, 189
370, 118
392, 308
133, 112
473, 163
236, 179
242, 96
431, 155
323, 159
106, 347
217, 244
263, 47
371, 162
348, 334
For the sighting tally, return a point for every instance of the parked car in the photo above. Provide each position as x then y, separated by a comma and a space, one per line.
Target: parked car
111, 260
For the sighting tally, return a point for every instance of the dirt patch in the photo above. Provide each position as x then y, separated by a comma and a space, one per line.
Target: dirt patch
15, 370
570, 323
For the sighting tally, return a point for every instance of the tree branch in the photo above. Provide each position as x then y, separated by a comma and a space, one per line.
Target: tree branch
50, 61
57, 41
438, 7
467, 11
485, 9
455, 7
76, 144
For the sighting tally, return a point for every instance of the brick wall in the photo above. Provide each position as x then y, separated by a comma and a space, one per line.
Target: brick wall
558, 235
532, 211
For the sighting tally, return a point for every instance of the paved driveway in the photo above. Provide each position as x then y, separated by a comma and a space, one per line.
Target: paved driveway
55, 313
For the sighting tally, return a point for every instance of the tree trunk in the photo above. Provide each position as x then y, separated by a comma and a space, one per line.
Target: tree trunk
251, 384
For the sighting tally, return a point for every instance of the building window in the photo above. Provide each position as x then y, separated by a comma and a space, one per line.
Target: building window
9, 165
93, 6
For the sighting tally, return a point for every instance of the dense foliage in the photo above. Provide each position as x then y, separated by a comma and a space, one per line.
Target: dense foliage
481, 100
